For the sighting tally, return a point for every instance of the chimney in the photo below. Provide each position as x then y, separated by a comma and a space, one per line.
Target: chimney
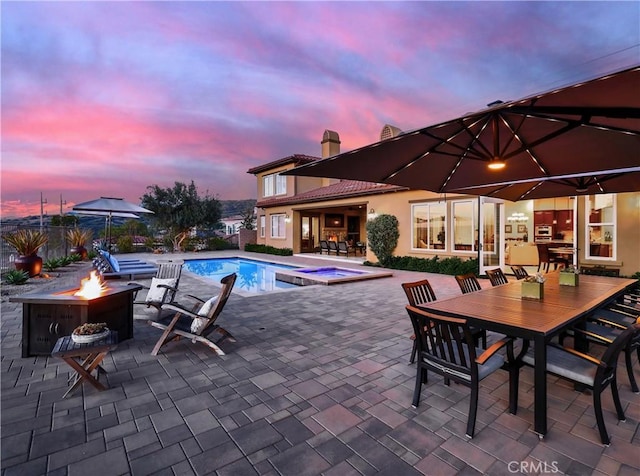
330, 144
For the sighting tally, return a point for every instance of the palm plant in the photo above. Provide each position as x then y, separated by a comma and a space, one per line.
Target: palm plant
26, 242
78, 237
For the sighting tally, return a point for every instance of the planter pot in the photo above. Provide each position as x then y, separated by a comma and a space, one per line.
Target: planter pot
568, 279
532, 290
79, 250
32, 264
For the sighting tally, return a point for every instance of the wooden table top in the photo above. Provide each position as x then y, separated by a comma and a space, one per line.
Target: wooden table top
502, 308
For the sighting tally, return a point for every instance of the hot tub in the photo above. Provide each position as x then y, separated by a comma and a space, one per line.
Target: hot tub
328, 275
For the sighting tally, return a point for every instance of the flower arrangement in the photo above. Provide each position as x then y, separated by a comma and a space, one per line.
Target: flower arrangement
571, 269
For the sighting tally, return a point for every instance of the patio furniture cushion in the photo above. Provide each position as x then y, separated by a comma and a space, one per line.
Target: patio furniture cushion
566, 365
157, 292
199, 322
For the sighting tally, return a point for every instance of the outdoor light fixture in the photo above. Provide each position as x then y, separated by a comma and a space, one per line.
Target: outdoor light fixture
372, 214
496, 163
287, 218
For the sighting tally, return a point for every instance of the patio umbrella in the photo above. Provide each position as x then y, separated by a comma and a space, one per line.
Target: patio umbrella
575, 140
110, 207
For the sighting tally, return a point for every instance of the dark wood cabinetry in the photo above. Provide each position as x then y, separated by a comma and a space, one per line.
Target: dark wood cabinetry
543, 217
565, 220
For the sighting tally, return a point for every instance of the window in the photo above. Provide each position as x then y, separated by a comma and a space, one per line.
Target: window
428, 226
278, 226
600, 213
274, 184
464, 225
263, 226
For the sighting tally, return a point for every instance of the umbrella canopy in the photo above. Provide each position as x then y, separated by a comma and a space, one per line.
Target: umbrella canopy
110, 207
580, 139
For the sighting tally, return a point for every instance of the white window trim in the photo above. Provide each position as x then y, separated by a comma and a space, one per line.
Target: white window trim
279, 216
474, 226
274, 185
613, 224
413, 237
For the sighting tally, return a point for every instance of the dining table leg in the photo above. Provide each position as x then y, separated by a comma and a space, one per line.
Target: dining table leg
540, 386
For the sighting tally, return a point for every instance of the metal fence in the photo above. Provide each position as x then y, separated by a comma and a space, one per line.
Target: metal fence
56, 246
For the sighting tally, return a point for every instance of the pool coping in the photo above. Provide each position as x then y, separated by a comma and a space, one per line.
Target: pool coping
300, 278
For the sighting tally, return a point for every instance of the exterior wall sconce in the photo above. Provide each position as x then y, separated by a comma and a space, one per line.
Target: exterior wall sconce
372, 214
287, 218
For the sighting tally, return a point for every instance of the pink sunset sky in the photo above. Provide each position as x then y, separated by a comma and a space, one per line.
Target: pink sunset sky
107, 98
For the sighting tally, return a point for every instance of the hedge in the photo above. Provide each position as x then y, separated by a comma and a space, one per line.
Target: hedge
451, 266
270, 250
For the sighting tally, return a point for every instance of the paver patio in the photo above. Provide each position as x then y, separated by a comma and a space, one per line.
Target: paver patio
318, 382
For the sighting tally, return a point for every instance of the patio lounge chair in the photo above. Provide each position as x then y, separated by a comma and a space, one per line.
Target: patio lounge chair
333, 247
324, 246
163, 287
196, 324
110, 267
345, 249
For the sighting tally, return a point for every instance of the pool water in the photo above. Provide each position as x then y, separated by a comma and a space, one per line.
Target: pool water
253, 276
331, 272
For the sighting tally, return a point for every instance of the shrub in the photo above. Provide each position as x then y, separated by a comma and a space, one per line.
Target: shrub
451, 266
382, 237
16, 276
74, 258
77, 237
271, 250
51, 264
125, 244
217, 243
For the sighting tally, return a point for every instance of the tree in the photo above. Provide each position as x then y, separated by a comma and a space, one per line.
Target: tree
64, 220
382, 236
179, 209
248, 220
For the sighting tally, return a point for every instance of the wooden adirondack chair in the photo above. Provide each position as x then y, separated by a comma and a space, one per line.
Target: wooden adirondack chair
196, 324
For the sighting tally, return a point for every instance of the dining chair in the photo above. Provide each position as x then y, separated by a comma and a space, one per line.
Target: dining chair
468, 283
587, 370
496, 277
546, 259
417, 293
446, 347
519, 272
608, 323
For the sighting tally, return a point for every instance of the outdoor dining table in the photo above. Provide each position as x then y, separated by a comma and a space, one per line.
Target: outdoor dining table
502, 309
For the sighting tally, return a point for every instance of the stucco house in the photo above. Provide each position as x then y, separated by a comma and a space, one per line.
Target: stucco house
297, 212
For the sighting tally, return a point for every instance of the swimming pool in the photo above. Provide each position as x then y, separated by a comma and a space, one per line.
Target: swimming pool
253, 276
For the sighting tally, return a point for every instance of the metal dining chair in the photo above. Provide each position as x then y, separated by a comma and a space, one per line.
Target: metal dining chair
468, 283
519, 272
446, 347
496, 277
596, 374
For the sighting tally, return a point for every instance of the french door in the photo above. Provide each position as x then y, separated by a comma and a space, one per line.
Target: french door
490, 237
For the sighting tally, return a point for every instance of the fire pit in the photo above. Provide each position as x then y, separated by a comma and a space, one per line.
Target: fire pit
48, 316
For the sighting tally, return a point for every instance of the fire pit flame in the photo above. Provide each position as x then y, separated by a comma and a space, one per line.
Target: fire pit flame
91, 287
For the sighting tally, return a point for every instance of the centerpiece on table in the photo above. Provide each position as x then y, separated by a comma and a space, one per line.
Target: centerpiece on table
569, 276
533, 287
90, 332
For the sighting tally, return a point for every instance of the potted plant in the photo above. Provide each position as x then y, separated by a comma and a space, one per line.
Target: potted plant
78, 238
533, 287
27, 243
569, 276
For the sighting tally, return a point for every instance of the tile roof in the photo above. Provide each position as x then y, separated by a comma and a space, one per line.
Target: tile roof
297, 159
342, 189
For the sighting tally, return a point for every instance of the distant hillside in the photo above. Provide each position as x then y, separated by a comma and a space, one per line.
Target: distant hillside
236, 207
229, 208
